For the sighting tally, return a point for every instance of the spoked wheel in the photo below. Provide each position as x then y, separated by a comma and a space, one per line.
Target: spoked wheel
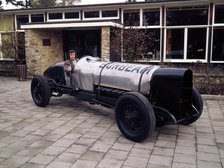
197, 105
40, 91
135, 116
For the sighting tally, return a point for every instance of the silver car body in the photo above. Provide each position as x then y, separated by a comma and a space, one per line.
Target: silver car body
92, 71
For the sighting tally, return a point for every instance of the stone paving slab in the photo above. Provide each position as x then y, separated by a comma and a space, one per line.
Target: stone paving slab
73, 134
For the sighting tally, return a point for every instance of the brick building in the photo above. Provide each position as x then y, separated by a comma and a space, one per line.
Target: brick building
185, 32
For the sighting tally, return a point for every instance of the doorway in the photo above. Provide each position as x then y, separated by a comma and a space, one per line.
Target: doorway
84, 42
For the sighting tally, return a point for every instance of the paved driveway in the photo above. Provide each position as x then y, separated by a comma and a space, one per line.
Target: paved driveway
73, 134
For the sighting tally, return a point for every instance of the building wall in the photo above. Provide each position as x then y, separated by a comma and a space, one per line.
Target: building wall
172, 34
38, 55
105, 43
6, 23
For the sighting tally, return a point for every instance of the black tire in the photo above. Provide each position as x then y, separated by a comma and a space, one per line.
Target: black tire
40, 91
197, 102
135, 116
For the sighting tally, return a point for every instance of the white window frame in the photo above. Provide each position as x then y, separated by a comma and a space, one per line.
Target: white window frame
185, 60
1, 54
186, 27
100, 14
55, 20
115, 17
63, 19
185, 6
97, 18
155, 26
213, 19
146, 27
71, 19
140, 17
214, 25
30, 20
160, 45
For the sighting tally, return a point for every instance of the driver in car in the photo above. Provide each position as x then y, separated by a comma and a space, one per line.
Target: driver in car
71, 76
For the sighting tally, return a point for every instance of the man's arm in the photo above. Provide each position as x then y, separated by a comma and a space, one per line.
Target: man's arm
67, 66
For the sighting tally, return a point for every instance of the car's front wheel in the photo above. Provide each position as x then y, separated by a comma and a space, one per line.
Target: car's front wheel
40, 91
135, 116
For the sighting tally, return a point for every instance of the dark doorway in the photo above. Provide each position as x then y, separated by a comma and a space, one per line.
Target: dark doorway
84, 42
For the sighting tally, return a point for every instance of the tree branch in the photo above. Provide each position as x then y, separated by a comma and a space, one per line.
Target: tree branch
25, 4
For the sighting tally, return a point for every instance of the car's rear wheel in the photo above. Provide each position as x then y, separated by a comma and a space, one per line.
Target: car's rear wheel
197, 103
135, 116
40, 91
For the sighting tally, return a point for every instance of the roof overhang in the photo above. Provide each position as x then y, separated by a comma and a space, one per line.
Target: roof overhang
106, 5
63, 25
122, 5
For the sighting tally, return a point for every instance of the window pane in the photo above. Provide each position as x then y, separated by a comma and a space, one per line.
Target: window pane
141, 44
153, 44
54, 16
6, 23
187, 16
21, 19
218, 44
151, 17
219, 16
72, 15
8, 47
20, 45
131, 17
37, 18
111, 13
92, 14
175, 44
196, 46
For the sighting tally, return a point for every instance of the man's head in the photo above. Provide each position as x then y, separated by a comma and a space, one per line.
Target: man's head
72, 55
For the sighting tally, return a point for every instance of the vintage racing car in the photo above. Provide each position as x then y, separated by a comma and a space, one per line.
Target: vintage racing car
142, 96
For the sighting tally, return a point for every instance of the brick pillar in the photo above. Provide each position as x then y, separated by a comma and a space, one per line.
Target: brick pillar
105, 43
43, 48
